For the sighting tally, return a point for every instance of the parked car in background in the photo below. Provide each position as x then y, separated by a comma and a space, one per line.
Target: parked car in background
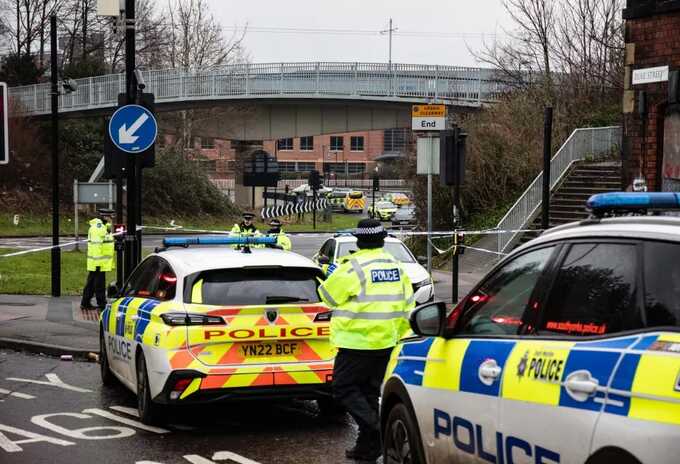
404, 216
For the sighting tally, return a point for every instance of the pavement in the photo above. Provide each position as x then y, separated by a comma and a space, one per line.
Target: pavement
57, 326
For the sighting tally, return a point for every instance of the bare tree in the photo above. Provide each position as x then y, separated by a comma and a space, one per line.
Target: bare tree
196, 40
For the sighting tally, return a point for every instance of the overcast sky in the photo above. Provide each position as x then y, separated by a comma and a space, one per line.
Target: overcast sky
451, 27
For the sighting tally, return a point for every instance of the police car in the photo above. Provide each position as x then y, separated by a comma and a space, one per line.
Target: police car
343, 244
197, 324
568, 351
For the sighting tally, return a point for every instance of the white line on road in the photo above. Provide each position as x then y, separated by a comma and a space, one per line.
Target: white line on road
53, 381
123, 420
23, 396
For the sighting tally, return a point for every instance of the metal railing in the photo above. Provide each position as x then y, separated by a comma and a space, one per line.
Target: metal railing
581, 142
230, 184
371, 81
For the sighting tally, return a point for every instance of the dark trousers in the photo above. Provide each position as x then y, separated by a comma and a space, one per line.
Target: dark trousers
357, 376
95, 285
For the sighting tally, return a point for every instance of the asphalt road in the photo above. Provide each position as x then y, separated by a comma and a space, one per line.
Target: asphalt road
54, 411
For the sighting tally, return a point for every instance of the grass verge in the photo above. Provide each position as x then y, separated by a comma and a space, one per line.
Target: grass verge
30, 274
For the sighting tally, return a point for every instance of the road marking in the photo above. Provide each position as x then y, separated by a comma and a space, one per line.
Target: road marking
125, 410
228, 455
23, 396
123, 420
119, 432
13, 446
53, 381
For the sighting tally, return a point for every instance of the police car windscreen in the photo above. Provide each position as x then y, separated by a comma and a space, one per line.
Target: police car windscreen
259, 286
662, 283
396, 249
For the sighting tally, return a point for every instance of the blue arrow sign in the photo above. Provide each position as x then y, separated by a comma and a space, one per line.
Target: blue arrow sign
133, 129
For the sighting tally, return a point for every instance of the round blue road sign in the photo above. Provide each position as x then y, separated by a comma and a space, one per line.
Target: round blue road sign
133, 129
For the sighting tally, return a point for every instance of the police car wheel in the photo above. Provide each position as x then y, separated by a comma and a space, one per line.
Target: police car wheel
107, 376
401, 442
147, 409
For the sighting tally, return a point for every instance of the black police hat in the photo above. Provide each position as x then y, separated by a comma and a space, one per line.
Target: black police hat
370, 233
275, 223
248, 215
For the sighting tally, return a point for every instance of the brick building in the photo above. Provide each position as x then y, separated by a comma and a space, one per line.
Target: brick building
351, 154
651, 108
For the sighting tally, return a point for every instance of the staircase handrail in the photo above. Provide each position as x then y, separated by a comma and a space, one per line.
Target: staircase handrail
572, 150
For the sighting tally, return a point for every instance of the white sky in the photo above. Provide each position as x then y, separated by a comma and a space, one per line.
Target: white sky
450, 17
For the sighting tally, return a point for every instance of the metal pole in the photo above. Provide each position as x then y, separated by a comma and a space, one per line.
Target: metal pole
390, 54
547, 148
138, 208
75, 212
454, 264
130, 236
120, 275
314, 208
429, 221
56, 251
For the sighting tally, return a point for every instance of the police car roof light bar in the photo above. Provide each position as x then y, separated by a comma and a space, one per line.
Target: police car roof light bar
602, 203
217, 240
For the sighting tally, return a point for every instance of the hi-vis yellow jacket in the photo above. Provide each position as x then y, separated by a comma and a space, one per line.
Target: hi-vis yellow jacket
371, 297
100, 247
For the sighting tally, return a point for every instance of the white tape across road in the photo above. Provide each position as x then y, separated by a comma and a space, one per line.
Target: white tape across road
433, 235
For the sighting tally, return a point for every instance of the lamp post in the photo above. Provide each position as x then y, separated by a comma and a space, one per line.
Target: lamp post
54, 102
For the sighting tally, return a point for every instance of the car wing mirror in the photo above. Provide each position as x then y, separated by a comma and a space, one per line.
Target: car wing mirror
323, 259
428, 320
422, 260
112, 291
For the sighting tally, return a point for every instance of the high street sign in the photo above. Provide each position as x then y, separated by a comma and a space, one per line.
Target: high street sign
133, 129
428, 117
4, 116
650, 75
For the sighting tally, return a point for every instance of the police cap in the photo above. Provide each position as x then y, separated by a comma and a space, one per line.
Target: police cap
106, 212
370, 233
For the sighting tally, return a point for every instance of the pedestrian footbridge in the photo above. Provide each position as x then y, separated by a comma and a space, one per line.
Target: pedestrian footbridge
284, 99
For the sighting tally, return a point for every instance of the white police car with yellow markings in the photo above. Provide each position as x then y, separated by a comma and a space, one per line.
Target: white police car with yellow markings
198, 324
568, 351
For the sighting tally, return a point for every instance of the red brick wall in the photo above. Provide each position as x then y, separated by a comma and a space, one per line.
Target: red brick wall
656, 40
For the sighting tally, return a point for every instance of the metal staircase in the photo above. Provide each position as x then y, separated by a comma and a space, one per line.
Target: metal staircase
568, 200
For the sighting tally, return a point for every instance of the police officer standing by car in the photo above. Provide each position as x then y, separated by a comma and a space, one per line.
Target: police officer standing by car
371, 297
245, 227
282, 240
100, 252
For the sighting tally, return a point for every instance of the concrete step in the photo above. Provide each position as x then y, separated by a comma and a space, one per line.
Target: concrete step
577, 182
568, 209
586, 190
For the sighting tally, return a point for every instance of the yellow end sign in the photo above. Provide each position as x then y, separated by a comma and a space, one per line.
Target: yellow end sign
432, 111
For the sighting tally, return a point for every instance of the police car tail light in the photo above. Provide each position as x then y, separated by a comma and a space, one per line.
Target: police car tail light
179, 387
323, 317
176, 319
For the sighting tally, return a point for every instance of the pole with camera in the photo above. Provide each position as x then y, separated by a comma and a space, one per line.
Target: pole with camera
69, 86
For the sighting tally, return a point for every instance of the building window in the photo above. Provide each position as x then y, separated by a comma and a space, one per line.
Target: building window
304, 167
286, 166
336, 143
357, 143
339, 168
307, 143
285, 144
395, 140
207, 143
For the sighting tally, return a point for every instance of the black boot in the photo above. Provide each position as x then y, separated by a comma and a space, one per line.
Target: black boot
368, 450
358, 448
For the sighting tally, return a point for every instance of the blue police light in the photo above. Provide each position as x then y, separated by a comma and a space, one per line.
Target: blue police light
622, 201
217, 240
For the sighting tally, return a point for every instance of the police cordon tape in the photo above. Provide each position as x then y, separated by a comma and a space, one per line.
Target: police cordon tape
434, 235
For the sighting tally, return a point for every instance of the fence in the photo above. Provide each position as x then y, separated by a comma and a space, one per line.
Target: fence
453, 84
581, 142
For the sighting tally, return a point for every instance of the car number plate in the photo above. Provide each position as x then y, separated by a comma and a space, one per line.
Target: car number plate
263, 350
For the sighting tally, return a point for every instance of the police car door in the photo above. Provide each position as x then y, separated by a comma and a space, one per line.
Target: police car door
137, 291
555, 385
466, 402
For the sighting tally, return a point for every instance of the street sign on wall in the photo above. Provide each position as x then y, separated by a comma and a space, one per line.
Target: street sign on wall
650, 75
428, 117
133, 129
427, 152
4, 131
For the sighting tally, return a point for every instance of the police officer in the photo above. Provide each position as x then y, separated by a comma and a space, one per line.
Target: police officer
100, 252
371, 297
282, 240
246, 226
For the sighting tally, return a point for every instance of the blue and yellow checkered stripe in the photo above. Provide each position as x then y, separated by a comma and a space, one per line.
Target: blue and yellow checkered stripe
640, 381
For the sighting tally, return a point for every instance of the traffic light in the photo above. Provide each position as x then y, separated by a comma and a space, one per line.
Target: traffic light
452, 156
376, 183
314, 180
4, 136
